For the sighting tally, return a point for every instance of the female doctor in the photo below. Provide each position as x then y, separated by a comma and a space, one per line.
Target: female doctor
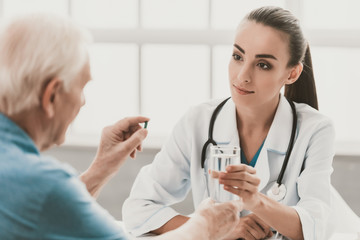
269, 52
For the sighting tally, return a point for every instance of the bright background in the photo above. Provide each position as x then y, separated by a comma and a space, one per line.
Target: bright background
159, 57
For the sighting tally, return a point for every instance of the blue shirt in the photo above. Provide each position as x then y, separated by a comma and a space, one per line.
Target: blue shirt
41, 198
255, 158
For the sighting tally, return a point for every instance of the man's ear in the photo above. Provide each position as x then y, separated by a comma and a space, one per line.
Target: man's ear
51, 91
295, 73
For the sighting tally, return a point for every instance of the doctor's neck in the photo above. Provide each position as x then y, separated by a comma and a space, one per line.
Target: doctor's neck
258, 117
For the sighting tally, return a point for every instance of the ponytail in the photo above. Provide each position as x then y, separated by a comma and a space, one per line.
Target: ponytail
304, 89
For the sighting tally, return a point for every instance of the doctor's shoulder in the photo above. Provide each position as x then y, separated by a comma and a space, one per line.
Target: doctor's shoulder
199, 115
194, 121
312, 120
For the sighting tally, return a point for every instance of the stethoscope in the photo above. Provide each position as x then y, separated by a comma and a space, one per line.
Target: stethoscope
278, 190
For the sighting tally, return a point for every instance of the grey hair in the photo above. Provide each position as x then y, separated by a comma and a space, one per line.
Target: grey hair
33, 50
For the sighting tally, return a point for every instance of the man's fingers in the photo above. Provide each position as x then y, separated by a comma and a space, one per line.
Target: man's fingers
129, 145
132, 154
206, 203
124, 125
239, 205
139, 148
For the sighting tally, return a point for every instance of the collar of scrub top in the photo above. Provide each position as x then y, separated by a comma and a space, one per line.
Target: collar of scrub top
277, 140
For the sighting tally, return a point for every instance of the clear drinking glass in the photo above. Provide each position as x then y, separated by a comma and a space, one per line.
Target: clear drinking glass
220, 158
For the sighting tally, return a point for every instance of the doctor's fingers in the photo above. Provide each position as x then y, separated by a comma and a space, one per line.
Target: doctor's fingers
255, 231
265, 227
240, 184
246, 235
240, 168
241, 176
237, 186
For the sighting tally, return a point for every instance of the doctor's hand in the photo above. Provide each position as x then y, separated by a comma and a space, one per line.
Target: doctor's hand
242, 180
250, 227
118, 142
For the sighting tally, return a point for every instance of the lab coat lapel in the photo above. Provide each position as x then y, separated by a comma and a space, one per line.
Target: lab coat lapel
262, 168
226, 133
280, 130
276, 141
225, 129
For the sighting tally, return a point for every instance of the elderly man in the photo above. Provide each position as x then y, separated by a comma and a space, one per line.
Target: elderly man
44, 68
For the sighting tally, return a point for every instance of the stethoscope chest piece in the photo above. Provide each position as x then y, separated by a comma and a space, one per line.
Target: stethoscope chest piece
277, 192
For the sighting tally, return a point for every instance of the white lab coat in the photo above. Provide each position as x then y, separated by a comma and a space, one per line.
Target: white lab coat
176, 168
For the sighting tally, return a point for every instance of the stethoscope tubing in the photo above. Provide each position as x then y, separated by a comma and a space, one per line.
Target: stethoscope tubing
289, 149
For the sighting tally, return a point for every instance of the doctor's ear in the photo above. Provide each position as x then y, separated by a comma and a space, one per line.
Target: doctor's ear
51, 91
295, 73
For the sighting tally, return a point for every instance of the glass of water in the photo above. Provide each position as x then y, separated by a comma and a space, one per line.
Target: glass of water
220, 158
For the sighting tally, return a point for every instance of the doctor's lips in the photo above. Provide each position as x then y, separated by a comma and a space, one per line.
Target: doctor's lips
242, 91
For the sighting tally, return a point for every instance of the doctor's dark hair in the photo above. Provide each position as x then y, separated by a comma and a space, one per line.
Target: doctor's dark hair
303, 90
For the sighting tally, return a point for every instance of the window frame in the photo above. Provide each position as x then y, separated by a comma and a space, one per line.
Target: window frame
349, 38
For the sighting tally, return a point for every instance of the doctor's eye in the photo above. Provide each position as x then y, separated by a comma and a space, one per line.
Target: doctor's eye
264, 66
236, 57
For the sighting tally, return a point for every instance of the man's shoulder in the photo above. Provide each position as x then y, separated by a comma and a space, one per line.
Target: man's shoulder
33, 169
27, 182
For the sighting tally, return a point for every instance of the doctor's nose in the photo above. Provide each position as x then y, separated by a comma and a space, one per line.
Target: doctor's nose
244, 74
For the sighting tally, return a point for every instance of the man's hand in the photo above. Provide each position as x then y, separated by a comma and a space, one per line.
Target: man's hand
211, 221
215, 220
222, 218
251, 227
118, 142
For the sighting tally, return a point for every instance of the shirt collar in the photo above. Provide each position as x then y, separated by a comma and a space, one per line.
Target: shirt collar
12, 134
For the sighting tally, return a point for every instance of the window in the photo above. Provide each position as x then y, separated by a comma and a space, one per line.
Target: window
13, 8
105, 13
226, 14
114, 83
159, 57
172, 83
174, 14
